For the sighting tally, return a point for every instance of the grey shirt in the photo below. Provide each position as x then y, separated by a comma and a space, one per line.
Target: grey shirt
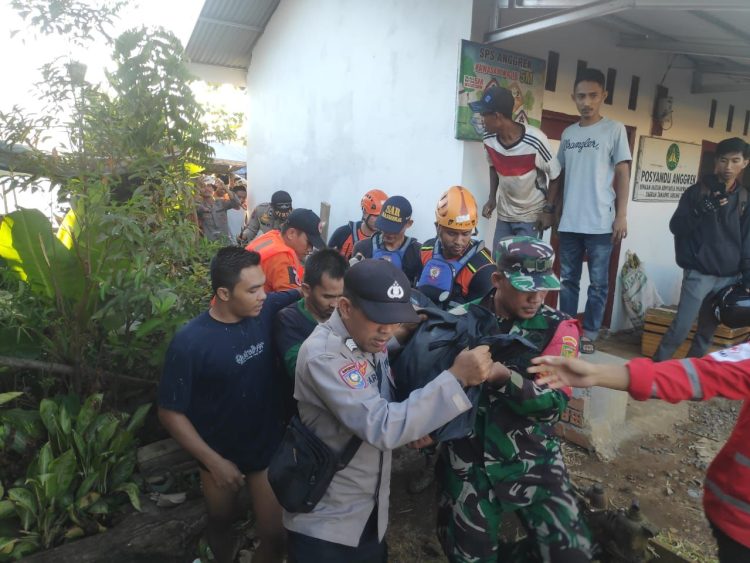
213, 216
336, 387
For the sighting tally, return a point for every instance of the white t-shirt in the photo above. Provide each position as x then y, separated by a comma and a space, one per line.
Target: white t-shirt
523, 168
589, 155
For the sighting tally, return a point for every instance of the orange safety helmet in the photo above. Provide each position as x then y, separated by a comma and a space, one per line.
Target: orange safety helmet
457, 209
372, 202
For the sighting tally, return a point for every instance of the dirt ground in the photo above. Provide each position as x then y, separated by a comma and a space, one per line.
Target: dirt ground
663, 471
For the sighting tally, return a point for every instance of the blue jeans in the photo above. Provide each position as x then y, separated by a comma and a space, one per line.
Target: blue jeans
696, 296
513, 229
598, 248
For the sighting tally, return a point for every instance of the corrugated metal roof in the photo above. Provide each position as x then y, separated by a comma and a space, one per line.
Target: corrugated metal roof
227, 30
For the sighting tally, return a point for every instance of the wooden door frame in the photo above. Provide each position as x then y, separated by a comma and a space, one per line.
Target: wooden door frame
553, 123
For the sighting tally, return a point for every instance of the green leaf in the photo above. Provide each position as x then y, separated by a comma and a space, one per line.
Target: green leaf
131, 489
88, 412
64, 468
105, 432
36, 256
139, 416
99, 507
7, 509
25, 503
87, 484
8, 397
48, 411
122, 470
44, 458
87, 500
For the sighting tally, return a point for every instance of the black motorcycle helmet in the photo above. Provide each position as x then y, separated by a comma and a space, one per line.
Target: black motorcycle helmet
732, 306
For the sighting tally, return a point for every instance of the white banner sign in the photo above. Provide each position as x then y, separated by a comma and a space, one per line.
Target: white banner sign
665, 169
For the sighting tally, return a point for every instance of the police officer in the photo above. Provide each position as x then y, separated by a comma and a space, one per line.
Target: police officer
512, 462
267, 216
344, 387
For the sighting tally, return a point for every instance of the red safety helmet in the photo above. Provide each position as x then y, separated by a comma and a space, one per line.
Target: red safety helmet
372, 202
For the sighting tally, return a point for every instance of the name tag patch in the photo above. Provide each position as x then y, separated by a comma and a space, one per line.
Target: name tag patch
353, 374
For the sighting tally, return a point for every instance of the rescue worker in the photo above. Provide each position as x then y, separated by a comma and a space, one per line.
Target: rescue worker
322, 287
283, 251
345, 237
456, 267
267, 216
391, 242
512, 462
344, 387
726, 373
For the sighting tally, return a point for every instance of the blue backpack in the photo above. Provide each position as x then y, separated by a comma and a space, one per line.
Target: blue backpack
439, 274
395, 257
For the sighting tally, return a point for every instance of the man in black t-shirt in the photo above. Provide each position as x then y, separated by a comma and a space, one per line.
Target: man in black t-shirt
216, 400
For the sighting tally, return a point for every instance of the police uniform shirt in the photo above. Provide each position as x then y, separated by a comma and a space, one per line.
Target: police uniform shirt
340, 391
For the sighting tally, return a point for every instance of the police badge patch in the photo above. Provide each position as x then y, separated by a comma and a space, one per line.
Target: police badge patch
353, 374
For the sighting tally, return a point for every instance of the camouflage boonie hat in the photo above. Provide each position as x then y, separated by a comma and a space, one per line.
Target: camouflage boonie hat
527, 262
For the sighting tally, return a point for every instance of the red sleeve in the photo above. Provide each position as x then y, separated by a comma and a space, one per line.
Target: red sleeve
722, 374
564, 343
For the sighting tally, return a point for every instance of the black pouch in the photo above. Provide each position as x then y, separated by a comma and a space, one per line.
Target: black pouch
302, 467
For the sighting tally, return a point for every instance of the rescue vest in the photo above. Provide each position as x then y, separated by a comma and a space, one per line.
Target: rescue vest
355, 235
442, 278
395, 257
271, 244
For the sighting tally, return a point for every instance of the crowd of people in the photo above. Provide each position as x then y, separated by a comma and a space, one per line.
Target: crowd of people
304, 331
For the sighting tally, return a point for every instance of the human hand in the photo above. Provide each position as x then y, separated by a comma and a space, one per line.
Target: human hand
226, 475
546, 220
619, 229
710, 203
472, 367
499, 375
421, 443
557, 372
488, 208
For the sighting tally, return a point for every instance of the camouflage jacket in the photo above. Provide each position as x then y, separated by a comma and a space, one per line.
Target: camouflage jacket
513, 430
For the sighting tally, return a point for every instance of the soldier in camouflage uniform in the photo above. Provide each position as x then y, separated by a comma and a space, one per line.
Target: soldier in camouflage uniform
512, 462
267, 216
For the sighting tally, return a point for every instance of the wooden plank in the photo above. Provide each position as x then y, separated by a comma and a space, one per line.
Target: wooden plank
663, 316
165, 455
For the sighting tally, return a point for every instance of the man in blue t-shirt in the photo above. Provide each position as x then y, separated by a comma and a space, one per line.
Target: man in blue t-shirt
216, 399
595, 156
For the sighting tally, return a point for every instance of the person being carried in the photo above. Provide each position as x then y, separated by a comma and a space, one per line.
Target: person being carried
322, 287
512, 462
345, 237
283, 251
521, 166
711, 228
267, 216
391, 243
344, 387
212, 210
595, 156
726, 497
213, 400
456, 267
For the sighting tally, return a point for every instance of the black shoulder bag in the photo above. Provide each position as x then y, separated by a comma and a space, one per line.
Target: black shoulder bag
303, 466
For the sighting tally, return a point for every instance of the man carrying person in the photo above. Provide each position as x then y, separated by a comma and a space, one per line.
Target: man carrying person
236, 217
456, 267
521, 164
212, 210
595, 156
282, 252
344, 387
512, 462
214, 401
711, 230
322, 287
267, 216
391, 242
345, 237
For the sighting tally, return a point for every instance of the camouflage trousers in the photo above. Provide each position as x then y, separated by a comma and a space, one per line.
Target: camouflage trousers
470, 513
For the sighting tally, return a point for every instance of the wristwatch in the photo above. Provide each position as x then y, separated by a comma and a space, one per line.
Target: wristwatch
549, 208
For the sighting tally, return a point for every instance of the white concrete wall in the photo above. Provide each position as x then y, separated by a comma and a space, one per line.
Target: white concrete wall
648, 223
347, 95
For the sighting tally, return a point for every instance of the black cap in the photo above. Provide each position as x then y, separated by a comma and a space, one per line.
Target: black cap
382, 292
281, 197
309, 223
494, 100
395, 214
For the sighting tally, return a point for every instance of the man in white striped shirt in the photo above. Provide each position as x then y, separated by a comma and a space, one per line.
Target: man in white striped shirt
521, 166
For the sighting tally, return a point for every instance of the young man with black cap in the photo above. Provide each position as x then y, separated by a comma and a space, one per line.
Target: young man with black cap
344, 387
214, 399
391, 243
521, 165
267, 216
283, 251
512, 462
346, 236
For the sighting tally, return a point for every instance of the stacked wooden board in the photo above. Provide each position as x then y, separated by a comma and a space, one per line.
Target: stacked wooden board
658, 320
